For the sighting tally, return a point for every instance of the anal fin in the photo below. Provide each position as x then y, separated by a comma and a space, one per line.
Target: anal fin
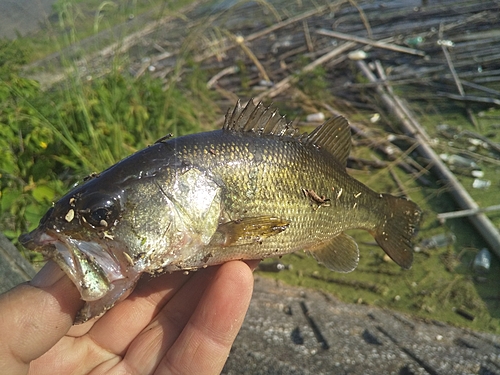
339, 254
248, 230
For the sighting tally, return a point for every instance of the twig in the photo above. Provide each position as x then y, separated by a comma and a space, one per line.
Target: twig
307, 36
161, 56
376, 163
271, 8
229, 70
273, 28
292, 20
142, 69
154, 60
455, 76
473, 155
240, 41
391, 80
285, 83
481, 88
363, 18
292, 52
450, 63
495, 146
398, 182
395, 80
456, 214
373, 43
470, 98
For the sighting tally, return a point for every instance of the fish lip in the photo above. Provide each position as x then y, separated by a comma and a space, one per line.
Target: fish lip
100, 269
26, 239
89, 264
36, 239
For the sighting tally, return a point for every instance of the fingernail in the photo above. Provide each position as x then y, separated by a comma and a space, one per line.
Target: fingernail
47, 276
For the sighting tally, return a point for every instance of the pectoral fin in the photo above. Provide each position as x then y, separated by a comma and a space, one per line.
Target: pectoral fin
248, 230
339, 254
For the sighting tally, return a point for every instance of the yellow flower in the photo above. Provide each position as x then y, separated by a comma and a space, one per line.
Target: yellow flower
43, 145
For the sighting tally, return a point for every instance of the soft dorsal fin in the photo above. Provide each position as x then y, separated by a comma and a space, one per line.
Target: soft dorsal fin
333, 136
258, 119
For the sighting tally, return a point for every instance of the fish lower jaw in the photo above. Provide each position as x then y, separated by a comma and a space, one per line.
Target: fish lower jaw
101, 277
100, 270
120, 289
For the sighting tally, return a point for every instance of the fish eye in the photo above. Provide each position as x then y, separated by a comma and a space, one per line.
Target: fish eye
99, 210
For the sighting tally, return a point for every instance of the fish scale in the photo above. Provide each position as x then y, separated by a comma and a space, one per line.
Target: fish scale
254, 189
277, 185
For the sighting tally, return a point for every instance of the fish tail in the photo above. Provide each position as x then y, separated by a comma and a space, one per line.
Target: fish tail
394, 233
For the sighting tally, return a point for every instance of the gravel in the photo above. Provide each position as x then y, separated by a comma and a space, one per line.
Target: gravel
291, 330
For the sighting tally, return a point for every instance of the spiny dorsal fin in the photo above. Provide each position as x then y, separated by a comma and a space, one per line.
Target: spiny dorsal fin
334, 136
258, 119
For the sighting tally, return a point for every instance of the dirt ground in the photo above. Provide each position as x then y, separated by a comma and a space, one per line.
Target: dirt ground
23, 16
291, 330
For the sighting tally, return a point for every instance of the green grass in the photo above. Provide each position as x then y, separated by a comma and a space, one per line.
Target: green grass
75, 20
50, 140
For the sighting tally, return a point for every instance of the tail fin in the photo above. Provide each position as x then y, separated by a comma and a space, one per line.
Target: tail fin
395, 233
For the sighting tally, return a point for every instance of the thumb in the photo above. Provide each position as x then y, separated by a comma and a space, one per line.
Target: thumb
34, 316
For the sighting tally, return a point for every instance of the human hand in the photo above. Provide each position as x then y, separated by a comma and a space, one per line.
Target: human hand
173, 324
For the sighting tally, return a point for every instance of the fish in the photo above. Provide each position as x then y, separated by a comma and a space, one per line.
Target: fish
254, 189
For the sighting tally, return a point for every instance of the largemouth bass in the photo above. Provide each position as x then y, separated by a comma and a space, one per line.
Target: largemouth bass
254, 189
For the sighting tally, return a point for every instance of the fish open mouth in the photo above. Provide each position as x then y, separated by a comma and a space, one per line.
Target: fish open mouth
102, 278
